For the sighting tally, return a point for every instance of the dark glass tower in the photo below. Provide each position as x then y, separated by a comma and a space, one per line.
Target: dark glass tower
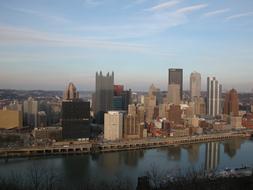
176, 77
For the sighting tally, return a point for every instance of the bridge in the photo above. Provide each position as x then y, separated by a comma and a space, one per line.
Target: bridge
96, 147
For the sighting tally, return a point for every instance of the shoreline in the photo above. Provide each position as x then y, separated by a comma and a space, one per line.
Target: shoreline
93, 148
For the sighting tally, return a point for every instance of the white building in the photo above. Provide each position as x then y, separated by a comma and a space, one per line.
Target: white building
213, 97
113, 125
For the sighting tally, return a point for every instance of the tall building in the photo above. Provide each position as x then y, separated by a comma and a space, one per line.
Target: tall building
176, 77
75, 119
174, 94
212, 155
71, 92
231, 103
113, 125
75, 116
195, 84
133, 128
214, 90
149, 105
104, 95
31, 107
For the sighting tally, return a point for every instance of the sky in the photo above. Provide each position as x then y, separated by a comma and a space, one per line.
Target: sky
46, 44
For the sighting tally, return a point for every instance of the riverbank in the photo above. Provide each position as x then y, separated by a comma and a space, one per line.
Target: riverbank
71, 148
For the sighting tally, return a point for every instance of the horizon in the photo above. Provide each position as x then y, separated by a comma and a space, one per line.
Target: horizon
45, 45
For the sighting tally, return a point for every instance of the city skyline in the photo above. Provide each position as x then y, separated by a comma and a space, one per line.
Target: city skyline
71, 41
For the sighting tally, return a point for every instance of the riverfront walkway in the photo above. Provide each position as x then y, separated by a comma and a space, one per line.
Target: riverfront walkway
96, 147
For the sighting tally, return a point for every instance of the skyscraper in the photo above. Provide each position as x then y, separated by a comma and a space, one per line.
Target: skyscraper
176, 77
195, 84
231, 104
31, 107
75, 115
104, 95
174, 94
113, 126
214, 90
71, 92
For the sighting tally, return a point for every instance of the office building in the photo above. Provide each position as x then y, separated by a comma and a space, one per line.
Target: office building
213, 97
71, 93
10, 119
113, 125
104, 95
231, 103
175, 114
176, 77
42, 119
133, 128
195, 84
149, 105
75, 115
75, 119
31, 107
174, 94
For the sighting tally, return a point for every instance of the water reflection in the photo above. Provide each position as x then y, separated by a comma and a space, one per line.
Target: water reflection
193, 153
212, 156
174, 153
232, 146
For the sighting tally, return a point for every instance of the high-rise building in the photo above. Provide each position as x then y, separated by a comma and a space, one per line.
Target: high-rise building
31, 107
176, 77
199, 106
174, 94
175, 114
71, 92
113, 125
75, 119
231, 103
214, 90
104, 95
212, 155
75, 116
133, 128
195, 84
149, 104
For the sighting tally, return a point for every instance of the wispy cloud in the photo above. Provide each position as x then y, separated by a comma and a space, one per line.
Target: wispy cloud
41, 15
236, 16
26, 36
190, 9
164, 5
92, 3
216, 12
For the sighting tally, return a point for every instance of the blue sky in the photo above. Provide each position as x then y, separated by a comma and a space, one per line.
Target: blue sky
45, 44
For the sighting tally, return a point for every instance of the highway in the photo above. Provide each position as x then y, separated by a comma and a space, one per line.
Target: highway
101, 147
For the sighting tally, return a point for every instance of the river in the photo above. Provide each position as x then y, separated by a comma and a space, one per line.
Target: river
131, 164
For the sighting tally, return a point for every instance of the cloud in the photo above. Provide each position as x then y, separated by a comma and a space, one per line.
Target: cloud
217, 12
239, 16
190, 9
164, 5
41, 15
25, 36
92, 3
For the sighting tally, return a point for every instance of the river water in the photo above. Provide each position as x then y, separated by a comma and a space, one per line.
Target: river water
131, 164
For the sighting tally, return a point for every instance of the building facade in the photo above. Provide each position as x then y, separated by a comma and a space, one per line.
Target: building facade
113, 125
104, 95
214, 90
231, 103
176, 77
174, 94
195, 84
